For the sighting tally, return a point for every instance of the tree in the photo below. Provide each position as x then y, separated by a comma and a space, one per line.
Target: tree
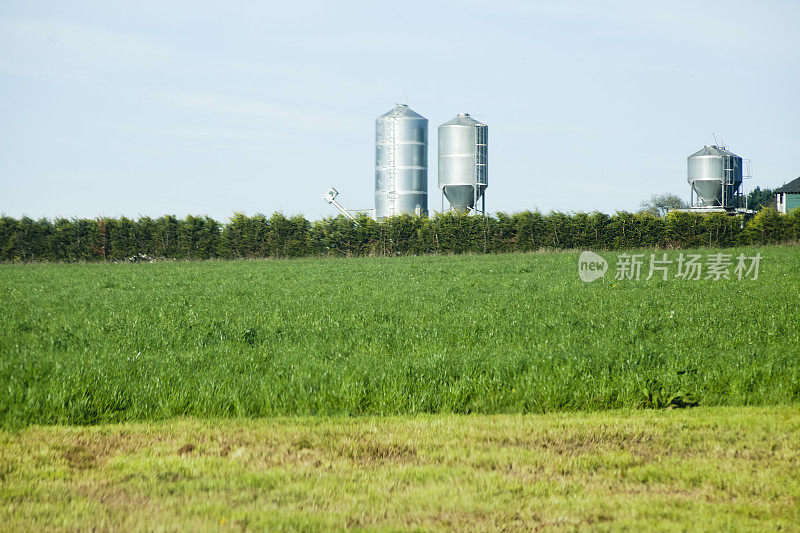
760, 198
659, 204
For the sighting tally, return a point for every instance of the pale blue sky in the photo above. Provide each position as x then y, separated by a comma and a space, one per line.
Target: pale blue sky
154, 107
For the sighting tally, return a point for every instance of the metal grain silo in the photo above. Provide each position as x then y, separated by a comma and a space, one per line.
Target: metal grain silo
401, 163
463, 158
715, 175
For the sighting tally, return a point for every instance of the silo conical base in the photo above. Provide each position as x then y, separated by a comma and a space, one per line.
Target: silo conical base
462, 197
710, 191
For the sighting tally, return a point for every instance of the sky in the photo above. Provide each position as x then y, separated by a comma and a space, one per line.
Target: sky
147, 108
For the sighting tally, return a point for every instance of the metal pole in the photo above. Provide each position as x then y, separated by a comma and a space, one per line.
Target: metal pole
343, 210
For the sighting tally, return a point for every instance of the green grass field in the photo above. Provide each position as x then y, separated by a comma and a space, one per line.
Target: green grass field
94, 343
704, 469
175, 396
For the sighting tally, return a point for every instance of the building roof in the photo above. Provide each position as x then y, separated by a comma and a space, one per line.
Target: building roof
791, 187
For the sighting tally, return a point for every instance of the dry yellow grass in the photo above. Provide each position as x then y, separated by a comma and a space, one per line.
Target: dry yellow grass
705, 468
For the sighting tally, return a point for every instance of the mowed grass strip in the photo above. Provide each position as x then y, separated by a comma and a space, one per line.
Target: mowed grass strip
93, 343
697, 469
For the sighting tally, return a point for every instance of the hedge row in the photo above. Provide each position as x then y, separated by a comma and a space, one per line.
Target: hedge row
107, 239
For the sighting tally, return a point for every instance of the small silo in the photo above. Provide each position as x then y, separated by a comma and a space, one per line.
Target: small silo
715, 175
401, 163
463, 158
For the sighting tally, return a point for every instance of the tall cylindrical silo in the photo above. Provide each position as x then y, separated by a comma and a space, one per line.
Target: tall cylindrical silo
401, 163
715, 175
463, 161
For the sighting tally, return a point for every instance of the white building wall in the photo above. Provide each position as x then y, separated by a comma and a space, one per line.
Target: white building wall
781, 201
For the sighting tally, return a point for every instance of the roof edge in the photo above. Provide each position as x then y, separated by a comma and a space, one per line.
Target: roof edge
791, 187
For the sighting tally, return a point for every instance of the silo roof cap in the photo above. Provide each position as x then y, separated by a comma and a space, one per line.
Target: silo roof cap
402, 110
463, 119
712, 150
